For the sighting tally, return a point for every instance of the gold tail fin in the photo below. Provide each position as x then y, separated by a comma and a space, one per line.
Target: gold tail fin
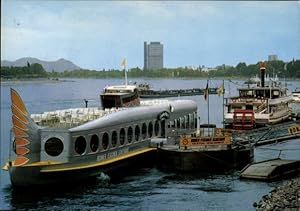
20, 123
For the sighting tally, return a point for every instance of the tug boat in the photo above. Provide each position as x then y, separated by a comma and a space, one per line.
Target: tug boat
211, 151
258, 105
68, 145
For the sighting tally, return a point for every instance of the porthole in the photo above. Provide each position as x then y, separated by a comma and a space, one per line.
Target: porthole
80, 145
144, 131
156, 128
137, 133
105, 140
122, 136
114, 139
54, 146
129, 134
94, 144
150, 129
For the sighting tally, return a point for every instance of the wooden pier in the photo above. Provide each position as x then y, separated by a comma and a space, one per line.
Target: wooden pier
271, 169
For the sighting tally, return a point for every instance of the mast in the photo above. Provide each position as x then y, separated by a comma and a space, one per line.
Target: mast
123, 64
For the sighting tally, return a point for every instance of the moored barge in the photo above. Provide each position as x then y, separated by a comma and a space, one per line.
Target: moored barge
211, 151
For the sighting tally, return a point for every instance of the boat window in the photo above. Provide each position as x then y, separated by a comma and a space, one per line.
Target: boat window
122, 136
156, 128
137, 133
192, 121
114, 139
129, 134
144, 130
54, 146
163, 128
80, 145
105, 140
182, 122
150, 129
178, 123
94, 144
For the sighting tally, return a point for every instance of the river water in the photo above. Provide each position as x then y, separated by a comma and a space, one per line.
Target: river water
148, 188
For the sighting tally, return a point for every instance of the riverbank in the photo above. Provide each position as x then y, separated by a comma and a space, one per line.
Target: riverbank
284, 197
32, 80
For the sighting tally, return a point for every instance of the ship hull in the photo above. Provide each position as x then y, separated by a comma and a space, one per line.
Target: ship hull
203, 161
35, 176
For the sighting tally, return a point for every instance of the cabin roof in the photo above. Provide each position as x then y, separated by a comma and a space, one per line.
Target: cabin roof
137, 114
118, 88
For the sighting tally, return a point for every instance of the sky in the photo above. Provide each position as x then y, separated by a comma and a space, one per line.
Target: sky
99, 34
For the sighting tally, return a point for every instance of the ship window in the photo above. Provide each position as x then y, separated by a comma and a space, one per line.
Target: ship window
178, 123
156, 128
137, 133
105, 141
182, 122
114, 138
54, 146
80, 145
192, 121
144, 130
129, 134
94, 144
150, 129
122, 136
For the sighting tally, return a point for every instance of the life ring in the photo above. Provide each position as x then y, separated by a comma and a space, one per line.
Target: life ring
185, 142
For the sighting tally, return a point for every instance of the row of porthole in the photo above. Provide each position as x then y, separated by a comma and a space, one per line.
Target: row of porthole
54, 146
181, 123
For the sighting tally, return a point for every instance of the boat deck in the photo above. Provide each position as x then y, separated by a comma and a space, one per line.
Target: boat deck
270, 169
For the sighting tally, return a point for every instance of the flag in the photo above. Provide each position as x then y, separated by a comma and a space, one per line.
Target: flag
124, 63
220, 90
206, 91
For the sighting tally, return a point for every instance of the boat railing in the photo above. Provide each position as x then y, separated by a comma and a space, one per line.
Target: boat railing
261, 108
69, 118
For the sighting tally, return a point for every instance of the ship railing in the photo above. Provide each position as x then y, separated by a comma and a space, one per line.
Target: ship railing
262, 108
67, 118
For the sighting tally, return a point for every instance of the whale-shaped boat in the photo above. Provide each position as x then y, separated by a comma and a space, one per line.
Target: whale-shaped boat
73, 144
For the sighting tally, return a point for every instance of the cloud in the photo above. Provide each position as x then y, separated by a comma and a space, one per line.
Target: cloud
99, 33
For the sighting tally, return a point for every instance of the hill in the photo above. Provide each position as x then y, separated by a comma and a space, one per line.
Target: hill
58, 66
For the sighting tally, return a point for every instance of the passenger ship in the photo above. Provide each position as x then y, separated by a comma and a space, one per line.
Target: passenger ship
257, 105
73, 144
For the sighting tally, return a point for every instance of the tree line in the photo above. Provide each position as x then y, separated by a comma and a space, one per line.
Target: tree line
280, 68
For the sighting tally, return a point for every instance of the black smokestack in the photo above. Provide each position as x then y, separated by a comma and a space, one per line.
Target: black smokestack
262, 73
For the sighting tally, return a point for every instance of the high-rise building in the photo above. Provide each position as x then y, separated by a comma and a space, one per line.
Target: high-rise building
272, 57
153, 56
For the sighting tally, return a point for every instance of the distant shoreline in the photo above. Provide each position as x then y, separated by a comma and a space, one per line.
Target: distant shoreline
32, 80
66, 79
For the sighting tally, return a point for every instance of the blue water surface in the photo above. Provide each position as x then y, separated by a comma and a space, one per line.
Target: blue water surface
148, 188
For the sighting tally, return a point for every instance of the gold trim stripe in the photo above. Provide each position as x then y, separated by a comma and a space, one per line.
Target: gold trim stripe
99, 163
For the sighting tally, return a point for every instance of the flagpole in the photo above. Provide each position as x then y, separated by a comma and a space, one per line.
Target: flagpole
208, 105
124, 68
223, 90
